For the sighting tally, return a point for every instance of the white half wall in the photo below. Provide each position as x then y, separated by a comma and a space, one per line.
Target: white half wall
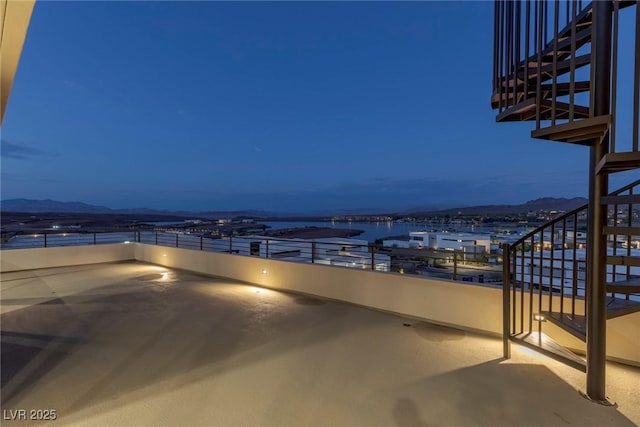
63, 256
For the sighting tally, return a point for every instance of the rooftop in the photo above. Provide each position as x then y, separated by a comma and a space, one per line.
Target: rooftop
132, 343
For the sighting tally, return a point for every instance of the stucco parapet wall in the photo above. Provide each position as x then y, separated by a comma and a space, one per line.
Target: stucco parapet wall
64, 256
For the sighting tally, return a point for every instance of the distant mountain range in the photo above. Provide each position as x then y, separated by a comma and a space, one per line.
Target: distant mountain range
41, 206
51, 206
542, 204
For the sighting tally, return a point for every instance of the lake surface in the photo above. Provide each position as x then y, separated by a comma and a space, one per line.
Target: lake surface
381, 230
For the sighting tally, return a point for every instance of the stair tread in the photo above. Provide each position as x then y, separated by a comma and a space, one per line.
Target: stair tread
575, 324
575, 130
621, 230
526, 110
617, 307
561, 67
583, 36
562, 89
619, 162
632, 281
541, 342
624, 199
629, 260
583, 33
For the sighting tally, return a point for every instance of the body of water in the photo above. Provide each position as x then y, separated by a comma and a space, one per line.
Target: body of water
381, 230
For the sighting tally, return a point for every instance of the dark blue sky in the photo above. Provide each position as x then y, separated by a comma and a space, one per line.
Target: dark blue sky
273, 106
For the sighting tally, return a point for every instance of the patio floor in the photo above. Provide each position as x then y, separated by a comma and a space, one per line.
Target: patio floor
137, 344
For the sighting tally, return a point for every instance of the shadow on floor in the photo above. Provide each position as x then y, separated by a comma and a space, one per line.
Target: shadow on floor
103, 345
514, 394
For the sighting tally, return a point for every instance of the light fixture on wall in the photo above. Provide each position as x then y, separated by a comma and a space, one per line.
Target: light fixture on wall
264, 271
539, 317
164, 255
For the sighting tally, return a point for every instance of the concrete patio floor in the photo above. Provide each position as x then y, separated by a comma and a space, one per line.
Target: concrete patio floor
142, 345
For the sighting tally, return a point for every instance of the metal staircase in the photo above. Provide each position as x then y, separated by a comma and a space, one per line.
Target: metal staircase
546, 274
556, 63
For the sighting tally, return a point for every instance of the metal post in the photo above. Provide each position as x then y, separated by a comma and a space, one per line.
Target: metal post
45, 240
373, 257
597, 216
200, 242
506, 277
313, 252
176, 240
156, 237
455, 266
94, 238
267, 249
230, 244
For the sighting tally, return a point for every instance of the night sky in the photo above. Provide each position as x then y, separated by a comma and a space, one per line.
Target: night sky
286, 107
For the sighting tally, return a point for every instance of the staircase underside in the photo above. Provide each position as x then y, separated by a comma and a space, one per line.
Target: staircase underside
526, 111
631, 286
576, 324
562, 89
583, 132
542, 343
619, 162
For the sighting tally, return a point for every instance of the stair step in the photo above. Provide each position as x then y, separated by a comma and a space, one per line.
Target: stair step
583, 36
630, 261
621, 231
546, 70
562, 89
627, 199
575, 324
561, 68
631, 286
583, 132
526, 111
617, 307
542, 343
583, 18
619, 162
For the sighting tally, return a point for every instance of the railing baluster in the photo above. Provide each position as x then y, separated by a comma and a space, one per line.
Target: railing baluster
562, 263
526, 49
551, 264
572, 64
516, 53
511, 258
501, 75
506, 279
541, 5
576, 270
614, 78
636, 83
554, 84
541, 270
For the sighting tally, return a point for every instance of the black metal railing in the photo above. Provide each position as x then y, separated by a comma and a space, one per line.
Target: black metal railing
625, 44
547, 268
534, 44
544, 66
452, 265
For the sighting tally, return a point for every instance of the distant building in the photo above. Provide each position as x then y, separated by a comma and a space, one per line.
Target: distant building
337, 252
465, 242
